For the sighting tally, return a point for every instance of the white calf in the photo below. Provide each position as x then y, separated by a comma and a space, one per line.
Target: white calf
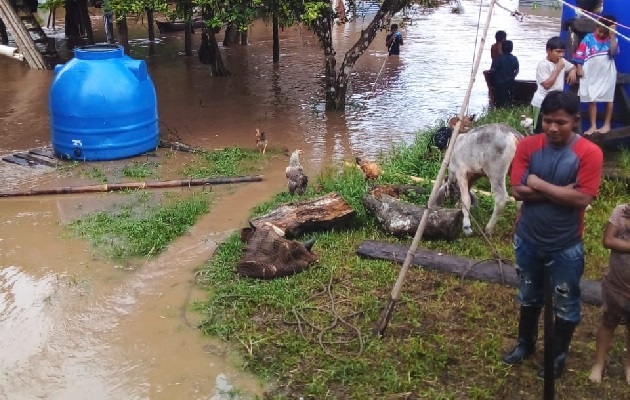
484, 151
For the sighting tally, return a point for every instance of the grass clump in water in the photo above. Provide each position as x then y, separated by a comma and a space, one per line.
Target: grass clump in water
230, 161
140, 229
140, 169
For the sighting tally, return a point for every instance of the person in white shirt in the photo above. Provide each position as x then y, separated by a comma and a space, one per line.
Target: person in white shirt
551, 74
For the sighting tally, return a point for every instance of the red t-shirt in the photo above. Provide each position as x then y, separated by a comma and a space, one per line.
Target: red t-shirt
549, 225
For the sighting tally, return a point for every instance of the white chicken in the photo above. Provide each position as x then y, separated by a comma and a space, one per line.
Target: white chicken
297, 180
527, 124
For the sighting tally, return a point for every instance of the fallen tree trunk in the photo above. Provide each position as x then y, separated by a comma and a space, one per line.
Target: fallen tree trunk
113, 187
487, 271
401, 218
322, 213
268, 255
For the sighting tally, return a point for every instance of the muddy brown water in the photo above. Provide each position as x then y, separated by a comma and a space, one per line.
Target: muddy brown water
74, 325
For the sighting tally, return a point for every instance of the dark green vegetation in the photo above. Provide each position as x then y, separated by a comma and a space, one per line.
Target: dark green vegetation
309, 335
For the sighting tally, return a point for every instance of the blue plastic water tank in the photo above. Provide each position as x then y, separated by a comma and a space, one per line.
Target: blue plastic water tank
102, 106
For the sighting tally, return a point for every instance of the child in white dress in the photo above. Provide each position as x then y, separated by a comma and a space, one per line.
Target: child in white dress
596, 65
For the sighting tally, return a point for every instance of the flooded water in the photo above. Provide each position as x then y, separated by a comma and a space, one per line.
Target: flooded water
73, 325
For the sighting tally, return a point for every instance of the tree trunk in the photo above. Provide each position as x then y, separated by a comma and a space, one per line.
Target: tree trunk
188, 37
230, 35
4, 37
323, 213
151, 23
487, 271
401, 218
337, 85
123, 33
219, 68
86, 23
72, 20
276, 37
245, 38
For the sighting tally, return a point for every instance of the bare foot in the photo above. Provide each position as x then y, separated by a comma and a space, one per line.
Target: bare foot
596, 373
604, 129
590, 131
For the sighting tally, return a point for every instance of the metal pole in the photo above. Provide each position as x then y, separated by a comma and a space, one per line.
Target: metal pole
549, 387
386, 315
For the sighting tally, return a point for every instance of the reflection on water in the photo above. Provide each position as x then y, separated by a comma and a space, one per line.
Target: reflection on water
390, 97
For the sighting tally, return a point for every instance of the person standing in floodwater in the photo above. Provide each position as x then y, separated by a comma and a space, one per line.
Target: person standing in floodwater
394, 40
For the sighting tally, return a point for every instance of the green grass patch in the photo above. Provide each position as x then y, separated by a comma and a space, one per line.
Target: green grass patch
139, 228
309, 335
225, 162
141, 169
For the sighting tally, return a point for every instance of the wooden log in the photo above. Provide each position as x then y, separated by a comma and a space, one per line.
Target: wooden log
326, 212
268, 255
401, 218
114, 187
486, 271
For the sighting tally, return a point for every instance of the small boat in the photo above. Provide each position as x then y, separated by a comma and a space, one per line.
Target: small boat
177, 25
523, 90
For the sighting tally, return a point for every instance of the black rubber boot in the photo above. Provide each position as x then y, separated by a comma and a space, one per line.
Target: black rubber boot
527, 335
562, 335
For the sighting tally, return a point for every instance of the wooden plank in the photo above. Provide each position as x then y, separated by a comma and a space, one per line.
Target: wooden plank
44, 152
35, 159
613, 134
486, 270
15, 160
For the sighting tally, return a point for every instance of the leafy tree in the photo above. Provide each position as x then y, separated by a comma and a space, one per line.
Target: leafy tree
320, 15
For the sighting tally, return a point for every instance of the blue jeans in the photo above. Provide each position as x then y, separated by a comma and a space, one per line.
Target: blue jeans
566, 266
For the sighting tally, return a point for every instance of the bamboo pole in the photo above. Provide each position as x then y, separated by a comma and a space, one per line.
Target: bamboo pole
114, 187
21, 36
388, 311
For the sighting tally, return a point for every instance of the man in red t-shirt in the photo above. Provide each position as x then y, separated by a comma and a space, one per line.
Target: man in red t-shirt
556, 174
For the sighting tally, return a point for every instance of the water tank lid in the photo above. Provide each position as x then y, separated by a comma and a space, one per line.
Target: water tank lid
99, 52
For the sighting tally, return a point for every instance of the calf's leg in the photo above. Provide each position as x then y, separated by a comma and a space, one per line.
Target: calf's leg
500, 195
462, 182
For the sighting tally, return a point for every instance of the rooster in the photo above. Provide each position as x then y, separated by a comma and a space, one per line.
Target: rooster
371, 170
261, 140
527, 124
297, 181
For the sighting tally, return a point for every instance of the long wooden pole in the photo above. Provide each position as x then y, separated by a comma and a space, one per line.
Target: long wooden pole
113, 187
388, 311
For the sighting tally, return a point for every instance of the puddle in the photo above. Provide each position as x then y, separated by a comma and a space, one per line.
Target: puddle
73, 324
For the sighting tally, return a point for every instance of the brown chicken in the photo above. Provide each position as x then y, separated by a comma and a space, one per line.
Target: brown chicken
297, 180
371, 170
261, 140
466, 122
